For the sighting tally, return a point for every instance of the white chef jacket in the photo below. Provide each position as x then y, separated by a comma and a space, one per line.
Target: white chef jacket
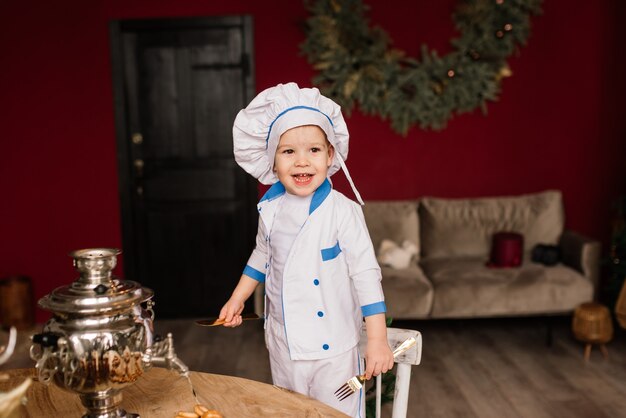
292, 213
331, 279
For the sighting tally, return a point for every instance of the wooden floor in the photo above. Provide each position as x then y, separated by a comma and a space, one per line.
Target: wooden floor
475, 368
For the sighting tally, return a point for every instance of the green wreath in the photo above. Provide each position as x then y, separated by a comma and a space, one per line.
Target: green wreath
355, 63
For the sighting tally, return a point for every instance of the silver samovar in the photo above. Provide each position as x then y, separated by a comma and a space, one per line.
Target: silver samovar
100, 338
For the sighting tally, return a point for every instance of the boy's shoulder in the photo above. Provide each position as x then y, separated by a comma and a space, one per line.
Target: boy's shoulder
343, 202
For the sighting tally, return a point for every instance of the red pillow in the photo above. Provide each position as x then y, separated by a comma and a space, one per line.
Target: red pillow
507, 249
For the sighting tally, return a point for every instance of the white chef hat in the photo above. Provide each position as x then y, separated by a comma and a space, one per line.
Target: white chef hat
258, 127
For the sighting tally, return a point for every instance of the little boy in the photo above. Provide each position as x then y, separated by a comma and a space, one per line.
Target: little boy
313, 251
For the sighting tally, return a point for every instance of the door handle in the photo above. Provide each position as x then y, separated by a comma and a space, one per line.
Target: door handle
137, 138
138, 164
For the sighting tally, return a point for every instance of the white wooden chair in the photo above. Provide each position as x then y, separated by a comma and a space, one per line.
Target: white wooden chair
411, 357
11, 400
7, 350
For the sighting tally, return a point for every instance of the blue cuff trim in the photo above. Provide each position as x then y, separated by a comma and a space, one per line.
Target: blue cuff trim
374, 308
254, 273
330, 253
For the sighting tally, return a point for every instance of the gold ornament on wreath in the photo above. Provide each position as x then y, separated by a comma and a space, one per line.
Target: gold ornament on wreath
357, 66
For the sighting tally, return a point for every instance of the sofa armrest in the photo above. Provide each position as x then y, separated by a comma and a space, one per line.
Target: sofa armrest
582, 254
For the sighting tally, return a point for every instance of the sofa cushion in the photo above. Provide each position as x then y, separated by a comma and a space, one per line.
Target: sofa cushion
408, 293
465, 287
393, 220
464, 227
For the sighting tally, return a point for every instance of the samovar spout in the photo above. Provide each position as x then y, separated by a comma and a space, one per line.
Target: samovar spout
162, 354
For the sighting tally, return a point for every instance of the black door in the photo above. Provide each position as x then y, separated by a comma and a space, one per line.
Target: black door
188, 210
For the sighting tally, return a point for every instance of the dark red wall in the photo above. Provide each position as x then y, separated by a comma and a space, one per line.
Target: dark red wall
559, 123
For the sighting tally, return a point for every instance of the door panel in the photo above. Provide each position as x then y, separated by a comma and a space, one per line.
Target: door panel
189, 216
214, 118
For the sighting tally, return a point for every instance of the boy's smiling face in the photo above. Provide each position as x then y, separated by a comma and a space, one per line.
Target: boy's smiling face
302, 159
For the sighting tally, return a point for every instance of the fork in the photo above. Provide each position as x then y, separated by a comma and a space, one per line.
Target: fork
356, 383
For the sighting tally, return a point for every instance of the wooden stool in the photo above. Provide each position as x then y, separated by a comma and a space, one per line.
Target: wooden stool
16, 303
592, 325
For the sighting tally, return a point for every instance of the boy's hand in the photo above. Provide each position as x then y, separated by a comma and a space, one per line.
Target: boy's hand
378, 357
231, 313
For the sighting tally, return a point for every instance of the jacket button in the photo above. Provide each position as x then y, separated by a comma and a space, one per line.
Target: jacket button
316, 282
325, 346
320, 314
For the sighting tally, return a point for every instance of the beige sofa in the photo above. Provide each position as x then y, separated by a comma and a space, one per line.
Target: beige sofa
449, 279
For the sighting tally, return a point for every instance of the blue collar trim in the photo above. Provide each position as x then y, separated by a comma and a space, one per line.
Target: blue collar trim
273, 192
319, 195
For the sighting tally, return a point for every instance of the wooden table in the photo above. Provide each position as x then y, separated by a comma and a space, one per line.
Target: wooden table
162, 393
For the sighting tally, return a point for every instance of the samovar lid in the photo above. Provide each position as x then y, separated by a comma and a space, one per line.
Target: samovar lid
96, 291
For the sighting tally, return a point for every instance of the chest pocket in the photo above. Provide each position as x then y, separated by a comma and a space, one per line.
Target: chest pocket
331, 253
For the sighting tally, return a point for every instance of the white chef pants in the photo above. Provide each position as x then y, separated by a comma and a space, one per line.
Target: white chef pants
318, 379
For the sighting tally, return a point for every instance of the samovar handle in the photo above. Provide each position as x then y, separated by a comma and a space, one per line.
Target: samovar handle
47, 359
46, 339
145, 317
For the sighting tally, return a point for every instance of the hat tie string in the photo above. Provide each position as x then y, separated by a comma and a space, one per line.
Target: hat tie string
347, 174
